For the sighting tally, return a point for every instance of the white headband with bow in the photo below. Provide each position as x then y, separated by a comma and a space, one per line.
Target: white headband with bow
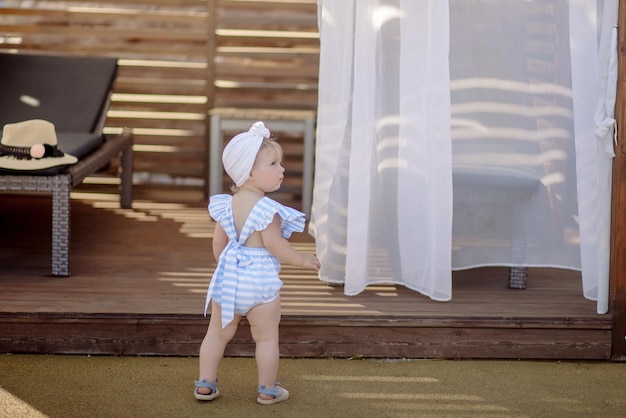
240, 153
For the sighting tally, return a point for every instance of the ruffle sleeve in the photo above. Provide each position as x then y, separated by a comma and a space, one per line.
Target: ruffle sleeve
218, 206
292, 220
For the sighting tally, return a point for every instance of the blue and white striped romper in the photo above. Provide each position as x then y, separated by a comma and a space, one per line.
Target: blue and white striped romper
247, 276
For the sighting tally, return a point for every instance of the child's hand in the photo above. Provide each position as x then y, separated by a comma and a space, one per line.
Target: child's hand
310, 261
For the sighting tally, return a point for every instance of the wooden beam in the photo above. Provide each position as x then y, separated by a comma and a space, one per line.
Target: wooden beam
210, 84
312, 337
618, 215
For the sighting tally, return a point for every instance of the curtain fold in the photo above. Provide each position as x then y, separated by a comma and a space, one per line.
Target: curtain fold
463, 133
595, 132
382, 205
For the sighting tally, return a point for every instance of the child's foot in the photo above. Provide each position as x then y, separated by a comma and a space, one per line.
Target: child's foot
205, 391
271, 396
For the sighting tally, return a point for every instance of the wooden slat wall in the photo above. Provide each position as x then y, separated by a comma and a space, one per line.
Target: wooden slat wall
266, 55
165, 84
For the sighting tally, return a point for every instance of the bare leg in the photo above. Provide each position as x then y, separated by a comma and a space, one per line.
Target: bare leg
264, 320
213, 345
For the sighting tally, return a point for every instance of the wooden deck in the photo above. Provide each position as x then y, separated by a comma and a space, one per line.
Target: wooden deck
139, 279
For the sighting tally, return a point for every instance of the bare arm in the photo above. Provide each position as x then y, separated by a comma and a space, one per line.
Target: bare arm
281, 248
220, 240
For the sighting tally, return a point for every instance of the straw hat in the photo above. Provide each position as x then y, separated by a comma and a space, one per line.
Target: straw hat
31, 145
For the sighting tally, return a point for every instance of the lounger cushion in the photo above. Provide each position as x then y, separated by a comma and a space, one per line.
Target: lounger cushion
70, 92
79, 144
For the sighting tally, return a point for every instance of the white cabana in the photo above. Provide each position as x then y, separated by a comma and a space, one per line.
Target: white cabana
460, 134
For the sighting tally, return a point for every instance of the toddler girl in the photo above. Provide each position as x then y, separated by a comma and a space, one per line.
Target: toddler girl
250, 242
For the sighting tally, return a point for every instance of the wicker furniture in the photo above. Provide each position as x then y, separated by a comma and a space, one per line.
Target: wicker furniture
473, 198
73, 93
61, 184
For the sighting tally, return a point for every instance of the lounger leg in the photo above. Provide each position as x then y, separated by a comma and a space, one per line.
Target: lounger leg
126, 191
519, 241
61, 225
517, 278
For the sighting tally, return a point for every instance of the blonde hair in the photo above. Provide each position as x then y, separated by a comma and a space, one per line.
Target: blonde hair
267, 143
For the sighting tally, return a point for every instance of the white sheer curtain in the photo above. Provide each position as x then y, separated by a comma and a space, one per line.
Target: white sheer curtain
382, 207
512, 106
512, 134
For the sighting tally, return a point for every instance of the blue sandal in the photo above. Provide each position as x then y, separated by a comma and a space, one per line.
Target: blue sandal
208, 396
275, 392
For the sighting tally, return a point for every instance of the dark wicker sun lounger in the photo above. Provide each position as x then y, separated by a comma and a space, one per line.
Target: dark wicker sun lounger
74, 94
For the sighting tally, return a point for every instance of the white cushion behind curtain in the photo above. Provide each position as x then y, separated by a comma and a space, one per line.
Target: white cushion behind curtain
382, 205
